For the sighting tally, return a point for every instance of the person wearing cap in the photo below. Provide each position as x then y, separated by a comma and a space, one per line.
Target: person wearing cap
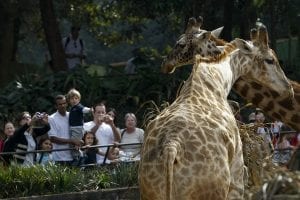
74, 48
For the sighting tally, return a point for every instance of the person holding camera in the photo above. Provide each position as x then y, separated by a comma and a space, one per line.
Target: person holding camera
104, 129
24, 140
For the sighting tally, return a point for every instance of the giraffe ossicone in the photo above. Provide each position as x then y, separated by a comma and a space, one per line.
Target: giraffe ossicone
276, 106
206, 45
193, 148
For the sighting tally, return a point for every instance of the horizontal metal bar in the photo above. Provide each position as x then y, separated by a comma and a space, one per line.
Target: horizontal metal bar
71, 148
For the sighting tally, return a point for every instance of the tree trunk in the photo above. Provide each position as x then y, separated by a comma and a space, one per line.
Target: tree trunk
8, 13
272, 32
53, 37
228, 10
244, 20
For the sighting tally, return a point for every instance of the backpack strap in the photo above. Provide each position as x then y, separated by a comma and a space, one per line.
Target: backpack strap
81, 44
68, 41
122, 134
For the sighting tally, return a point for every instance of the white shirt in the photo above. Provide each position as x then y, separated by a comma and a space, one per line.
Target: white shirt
104, 135
31, 146
73, 47
59, 127
276, 126
136, 137
264, 133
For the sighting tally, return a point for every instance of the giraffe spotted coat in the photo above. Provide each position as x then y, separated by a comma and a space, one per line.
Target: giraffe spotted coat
193, 149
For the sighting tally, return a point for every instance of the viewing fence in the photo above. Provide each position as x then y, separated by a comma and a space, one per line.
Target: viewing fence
73, 148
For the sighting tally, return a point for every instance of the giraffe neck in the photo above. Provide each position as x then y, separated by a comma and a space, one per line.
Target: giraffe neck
218, 77
273, 104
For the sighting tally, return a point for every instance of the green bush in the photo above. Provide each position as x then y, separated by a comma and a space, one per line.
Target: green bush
16, 181
125, 174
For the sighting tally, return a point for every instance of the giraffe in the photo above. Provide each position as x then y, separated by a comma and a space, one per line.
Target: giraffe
206, 44
271, 102
193, 147
275, 105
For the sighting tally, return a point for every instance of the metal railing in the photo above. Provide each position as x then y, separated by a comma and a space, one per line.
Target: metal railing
275, 151
73, 148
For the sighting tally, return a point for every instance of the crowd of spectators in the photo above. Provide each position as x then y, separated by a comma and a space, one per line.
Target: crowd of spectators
64, 138
282, 140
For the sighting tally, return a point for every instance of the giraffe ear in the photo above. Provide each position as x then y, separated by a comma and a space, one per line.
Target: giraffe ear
253, 35
191, 23
199, 21
243, 45
205, 35
263, 37
216, 33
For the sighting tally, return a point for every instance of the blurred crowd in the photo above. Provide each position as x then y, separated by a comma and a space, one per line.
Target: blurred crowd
282, 140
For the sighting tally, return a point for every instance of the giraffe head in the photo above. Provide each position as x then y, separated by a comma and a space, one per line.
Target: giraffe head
264, 67
193, 41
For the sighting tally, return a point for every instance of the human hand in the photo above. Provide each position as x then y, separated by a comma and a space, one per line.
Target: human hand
34, 120
109, 120
86, 146
100, 119
45, 117
76, 142
116, 144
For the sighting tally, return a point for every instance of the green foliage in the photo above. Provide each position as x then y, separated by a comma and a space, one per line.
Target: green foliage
126, 93
258, 3
125, 174
16, 181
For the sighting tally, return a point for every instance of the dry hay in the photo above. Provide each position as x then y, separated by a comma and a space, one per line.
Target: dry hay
263, 179
283, 186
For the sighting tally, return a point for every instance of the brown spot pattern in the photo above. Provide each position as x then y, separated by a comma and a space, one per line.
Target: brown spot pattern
286, 103
257, 98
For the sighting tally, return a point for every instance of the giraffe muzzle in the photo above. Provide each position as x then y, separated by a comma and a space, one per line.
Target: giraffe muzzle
167, 67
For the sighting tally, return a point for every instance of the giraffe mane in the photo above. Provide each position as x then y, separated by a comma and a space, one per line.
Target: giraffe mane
218, 41
229, 47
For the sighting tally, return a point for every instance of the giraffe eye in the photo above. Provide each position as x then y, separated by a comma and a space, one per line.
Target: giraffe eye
269, 61
180, 45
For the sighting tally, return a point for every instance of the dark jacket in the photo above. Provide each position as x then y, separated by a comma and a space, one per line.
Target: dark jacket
18, 142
